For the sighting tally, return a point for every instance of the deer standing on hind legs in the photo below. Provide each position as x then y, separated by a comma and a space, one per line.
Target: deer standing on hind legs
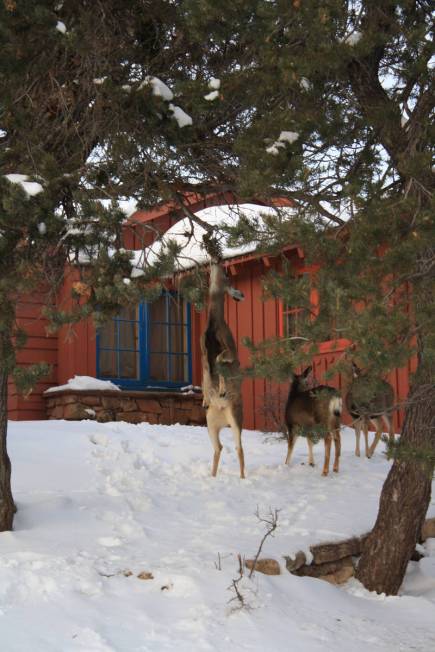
222, 396
370, 400
321, 407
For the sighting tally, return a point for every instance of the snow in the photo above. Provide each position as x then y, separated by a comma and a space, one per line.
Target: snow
42, 228
305, 84
99, 504
211, 96
31, 188
84, 382
288, 137
353, 38
160, 89
284, 137
214, 83
61, 27
190, 241
99, 80
180, 116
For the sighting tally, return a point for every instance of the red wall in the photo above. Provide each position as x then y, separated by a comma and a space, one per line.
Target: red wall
264, 401
40, 347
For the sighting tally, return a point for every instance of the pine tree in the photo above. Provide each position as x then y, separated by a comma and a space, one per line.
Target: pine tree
329, 106
61, 75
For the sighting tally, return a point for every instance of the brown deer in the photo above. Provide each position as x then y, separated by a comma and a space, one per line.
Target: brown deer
319, 407
222, 397
369, 400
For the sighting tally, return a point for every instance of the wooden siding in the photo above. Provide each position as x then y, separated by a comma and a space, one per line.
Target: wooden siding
40, 347
264, 401
77, 342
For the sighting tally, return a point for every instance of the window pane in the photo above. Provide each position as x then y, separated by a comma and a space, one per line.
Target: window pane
159, 367
107, 334
157, 310
158, 338
178, 339
128, 365
107, 363
179, 368
177, 310
128, 335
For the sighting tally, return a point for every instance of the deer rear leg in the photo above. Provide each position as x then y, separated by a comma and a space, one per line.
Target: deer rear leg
378, 435
237, 433
337, 447
357, 437
291, 441
328, 440
310, 451
366, 437
213, 432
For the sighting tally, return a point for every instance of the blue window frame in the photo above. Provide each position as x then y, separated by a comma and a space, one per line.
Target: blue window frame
148, 345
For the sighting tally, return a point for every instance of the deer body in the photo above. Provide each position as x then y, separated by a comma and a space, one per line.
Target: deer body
309, 409
222, 397
370, 400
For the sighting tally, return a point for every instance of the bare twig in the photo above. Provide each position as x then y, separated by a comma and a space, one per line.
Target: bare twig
271, 522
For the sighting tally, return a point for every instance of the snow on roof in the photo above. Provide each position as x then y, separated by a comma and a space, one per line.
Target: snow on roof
31, 188
191, 239
84, 382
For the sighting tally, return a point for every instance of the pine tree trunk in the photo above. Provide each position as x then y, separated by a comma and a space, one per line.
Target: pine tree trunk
404, 500
7, 506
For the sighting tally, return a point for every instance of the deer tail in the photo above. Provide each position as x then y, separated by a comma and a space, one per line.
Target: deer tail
336, 406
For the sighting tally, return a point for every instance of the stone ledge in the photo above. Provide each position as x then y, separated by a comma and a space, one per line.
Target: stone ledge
153, 406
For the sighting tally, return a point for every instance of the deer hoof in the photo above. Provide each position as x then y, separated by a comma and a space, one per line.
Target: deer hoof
312, 465
357, 453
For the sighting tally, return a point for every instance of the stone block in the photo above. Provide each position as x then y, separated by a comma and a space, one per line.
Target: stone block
128, 405
75, 412
149, 405
266, 566
130, 417
68, 398
56, 412
93, 401
110, 402
104, 416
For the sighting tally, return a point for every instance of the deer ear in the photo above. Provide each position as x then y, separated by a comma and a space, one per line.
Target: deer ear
307, 371
355, 370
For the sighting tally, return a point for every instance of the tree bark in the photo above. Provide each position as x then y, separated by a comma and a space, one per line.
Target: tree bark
7, 506
404, 500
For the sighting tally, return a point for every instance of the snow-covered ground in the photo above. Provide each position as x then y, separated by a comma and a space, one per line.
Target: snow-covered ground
98, 500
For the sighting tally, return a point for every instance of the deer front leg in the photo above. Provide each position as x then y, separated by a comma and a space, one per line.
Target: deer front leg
328, 440
337, 446
378, 435
310, 451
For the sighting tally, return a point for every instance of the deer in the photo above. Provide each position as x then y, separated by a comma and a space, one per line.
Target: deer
369, 399
320, 407
222, 398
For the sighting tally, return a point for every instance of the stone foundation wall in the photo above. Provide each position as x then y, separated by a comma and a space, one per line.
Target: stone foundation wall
154, 407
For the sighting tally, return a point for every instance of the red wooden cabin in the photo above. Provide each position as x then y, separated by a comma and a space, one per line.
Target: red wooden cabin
157, 345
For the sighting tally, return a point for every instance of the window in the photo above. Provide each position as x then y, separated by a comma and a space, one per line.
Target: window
147, 345
295, 317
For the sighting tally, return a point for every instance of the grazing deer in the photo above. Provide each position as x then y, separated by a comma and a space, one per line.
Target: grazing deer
221, 392
369, 400
308, 408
